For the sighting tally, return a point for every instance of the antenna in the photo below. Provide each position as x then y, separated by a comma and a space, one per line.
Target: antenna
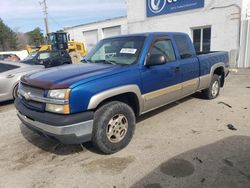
45, 11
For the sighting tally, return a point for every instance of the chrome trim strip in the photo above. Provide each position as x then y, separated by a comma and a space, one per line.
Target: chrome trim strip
28, 96
79, 129
166, 103
158, 98
190, 83
170, 89
160, 92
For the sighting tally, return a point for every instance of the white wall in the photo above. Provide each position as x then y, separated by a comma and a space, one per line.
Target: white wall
224, 21
224, 17
244, 52
77, 32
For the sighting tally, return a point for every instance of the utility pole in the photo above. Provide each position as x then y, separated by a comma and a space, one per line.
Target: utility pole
45, 11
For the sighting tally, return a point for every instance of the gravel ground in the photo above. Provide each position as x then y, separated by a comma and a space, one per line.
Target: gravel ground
185, 144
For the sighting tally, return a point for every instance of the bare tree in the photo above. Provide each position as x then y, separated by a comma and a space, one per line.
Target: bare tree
22, 40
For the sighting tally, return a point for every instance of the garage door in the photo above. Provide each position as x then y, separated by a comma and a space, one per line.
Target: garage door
111, 31
90, 38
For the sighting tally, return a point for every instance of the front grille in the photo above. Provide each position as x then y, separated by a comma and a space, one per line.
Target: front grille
32, 90
34, 105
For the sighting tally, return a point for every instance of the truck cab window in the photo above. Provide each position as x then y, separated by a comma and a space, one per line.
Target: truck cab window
183, 46
165, 48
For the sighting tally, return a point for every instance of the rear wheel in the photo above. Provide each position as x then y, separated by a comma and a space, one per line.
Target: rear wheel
114, 125
214, 89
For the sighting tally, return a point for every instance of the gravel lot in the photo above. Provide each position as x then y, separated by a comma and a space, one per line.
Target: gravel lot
185, 144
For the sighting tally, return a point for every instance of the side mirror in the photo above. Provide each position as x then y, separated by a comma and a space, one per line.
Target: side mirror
156, 59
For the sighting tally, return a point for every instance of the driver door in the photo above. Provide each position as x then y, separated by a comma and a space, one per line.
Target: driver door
161, 83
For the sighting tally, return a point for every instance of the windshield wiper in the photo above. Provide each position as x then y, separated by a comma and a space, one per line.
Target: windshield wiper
112, 62
86, 61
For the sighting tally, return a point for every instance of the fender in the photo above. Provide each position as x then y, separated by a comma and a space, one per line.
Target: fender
205, 80
215, 66
99, 97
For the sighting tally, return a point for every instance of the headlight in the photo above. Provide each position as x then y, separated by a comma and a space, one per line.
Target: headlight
60, 109
59, 94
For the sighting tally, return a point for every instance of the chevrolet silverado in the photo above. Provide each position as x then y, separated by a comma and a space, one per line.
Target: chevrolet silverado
121, 78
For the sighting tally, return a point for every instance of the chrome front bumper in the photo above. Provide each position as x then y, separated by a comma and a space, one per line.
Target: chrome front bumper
68, 134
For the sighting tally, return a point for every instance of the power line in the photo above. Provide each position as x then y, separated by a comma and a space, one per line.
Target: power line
60, 25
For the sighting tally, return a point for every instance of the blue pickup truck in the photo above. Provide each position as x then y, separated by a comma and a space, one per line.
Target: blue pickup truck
122, 78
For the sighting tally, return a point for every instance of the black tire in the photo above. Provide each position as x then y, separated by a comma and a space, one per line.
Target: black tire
208, 93
14, 93
102, 119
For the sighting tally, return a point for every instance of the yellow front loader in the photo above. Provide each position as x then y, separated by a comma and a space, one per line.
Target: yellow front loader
60, 41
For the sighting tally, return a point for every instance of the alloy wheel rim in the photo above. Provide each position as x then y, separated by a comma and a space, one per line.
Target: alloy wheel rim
117, 128
215, 88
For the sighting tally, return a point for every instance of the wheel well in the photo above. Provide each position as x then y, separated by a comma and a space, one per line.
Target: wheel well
220, 72
13, 91
128, 98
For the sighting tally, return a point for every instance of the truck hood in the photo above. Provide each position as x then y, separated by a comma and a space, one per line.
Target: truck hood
64, 76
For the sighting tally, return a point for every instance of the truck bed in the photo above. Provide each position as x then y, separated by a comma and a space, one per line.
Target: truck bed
208, 59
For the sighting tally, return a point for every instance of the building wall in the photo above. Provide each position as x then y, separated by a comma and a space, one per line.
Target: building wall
81, 32
229, 22
244, 52
224, 22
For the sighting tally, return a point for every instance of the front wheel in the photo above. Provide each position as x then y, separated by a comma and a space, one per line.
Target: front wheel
114, 125
214, 89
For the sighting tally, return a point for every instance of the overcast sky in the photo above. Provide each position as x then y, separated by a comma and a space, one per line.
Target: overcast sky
25, 15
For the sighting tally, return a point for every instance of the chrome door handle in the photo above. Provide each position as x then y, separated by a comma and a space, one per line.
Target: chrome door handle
10, 76
177, 69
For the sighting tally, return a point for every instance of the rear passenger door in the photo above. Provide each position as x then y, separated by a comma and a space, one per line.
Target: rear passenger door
161, 83
189, 64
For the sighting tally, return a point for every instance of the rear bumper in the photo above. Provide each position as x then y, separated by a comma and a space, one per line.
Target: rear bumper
72, 130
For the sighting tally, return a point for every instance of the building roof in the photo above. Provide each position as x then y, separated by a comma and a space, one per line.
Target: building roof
99, 21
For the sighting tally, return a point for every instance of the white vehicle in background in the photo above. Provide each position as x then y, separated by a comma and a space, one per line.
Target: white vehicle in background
10, 74
19, 54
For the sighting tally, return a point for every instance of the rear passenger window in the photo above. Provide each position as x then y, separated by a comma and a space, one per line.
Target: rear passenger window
183, 46
5, 67
165, 48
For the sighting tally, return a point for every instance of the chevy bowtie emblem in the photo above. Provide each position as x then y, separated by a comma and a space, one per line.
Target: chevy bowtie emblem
27, 95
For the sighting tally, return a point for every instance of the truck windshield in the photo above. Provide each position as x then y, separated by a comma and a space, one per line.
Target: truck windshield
122, 50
